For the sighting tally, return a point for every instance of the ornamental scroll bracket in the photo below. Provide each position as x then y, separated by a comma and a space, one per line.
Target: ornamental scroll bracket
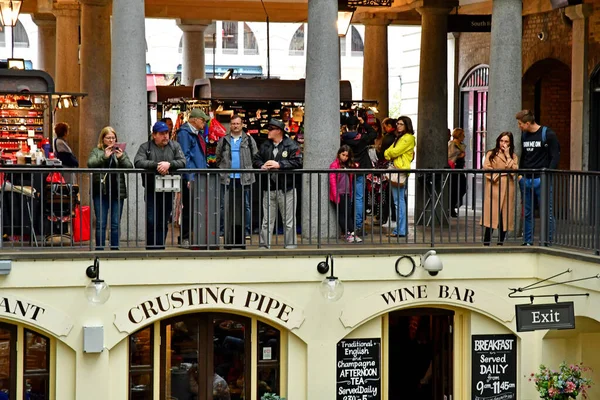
534, 286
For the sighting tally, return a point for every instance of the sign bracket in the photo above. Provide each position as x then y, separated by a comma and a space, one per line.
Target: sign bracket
534, 286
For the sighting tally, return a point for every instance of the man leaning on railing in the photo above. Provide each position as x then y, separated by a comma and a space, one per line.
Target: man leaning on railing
163, 156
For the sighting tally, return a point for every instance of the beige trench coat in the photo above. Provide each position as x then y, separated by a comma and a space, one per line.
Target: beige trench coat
499, 192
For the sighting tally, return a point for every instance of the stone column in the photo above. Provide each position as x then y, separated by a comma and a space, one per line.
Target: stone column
46, 24
579, 86
506, 71
432, 121
129, 99
375, 66
67, 66
95, 73
322, 124
193, 50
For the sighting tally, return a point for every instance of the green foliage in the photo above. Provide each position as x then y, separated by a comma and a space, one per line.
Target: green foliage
566, 383
271, 396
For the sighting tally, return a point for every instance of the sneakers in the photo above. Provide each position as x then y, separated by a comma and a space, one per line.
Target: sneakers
391, 224
352, 238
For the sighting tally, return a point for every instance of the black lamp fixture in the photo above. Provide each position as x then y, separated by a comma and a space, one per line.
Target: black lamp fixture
9, 12
331, 288
98, 291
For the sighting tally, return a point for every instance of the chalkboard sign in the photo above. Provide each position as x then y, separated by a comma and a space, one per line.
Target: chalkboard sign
359, 369
494, 359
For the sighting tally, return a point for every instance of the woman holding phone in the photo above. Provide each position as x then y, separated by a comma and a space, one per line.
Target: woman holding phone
109, 190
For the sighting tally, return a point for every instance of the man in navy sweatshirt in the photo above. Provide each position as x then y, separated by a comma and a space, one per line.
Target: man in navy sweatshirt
540, 149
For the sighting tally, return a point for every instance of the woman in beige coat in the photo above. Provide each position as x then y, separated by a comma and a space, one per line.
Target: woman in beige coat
499, 192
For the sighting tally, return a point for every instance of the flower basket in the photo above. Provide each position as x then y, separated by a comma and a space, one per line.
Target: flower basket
566, 383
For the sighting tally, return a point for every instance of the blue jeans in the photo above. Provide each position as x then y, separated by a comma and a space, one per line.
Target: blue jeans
530, 188
158, 212
102, 204
400, 204
247, 210
359, 200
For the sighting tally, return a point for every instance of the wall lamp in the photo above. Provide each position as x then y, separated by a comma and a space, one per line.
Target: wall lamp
430, 262
98, 291
331, 288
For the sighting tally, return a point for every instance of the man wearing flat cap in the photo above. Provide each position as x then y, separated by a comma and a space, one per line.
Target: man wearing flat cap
193, 143
278, 153
163, 156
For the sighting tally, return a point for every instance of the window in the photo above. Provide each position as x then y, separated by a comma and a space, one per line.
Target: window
343, 46
250, 45
297, 43
210, 40
269, 340
230, 37
141, 360
357, 44
36, 366
21, 38
3, 38
8, 360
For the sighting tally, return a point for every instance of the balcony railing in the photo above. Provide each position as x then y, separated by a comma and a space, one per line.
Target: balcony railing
65, 209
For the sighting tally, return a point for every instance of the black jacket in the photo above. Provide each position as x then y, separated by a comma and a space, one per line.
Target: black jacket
359, 143
288, 156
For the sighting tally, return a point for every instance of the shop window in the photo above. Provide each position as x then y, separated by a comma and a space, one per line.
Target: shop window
8, 360
269, 347
141, 360
36, 366
230, 37
357, 44
21, 39
297, 43
250, 44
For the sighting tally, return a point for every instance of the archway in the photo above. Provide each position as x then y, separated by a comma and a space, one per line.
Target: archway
473, 113
547, 91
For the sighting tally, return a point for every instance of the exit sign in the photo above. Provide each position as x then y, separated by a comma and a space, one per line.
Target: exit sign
533, 317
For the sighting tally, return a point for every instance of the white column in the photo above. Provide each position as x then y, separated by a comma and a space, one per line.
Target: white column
579, 86
322, 125
506, 70
193, 50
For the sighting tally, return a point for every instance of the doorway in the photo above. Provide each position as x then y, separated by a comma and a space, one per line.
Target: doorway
205, 357
420, 354
594, 149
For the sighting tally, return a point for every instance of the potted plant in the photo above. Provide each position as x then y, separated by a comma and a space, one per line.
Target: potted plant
566, 383
271, 396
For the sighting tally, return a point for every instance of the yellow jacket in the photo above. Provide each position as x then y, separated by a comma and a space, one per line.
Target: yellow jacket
402, 152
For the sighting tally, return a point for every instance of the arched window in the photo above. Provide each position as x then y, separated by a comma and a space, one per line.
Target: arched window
230, 37
250, 44
21, 38
473, 113
357, 44
297, 42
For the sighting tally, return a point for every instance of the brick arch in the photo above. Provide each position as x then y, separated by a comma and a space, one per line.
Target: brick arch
547, 91
556, 45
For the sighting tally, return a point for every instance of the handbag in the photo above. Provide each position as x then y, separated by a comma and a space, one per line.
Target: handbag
397, 178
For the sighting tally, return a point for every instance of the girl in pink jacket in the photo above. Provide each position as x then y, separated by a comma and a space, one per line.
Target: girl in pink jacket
340, 192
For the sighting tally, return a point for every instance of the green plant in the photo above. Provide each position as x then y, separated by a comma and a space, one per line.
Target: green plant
271, 396
566, 383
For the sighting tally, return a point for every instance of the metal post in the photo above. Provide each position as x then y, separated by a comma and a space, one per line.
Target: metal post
543, 201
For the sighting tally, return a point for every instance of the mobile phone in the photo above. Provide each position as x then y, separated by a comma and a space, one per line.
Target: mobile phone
121, 146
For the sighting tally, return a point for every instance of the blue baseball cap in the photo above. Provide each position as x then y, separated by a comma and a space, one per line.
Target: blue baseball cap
160, 127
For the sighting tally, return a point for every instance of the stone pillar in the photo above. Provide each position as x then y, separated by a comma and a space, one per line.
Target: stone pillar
579, 86
129, 99
375, 66
95, 73
193, 50
46, 24
506, 71
322, 125
67, 66
432, 121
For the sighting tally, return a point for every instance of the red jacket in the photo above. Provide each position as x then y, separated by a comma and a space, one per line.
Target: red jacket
334, 179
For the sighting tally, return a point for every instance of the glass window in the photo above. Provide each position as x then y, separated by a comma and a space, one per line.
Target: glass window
8, 360
141, 360
230, 37
21, 37
250, 44
297, 43
36, 368
269, 345
357, 44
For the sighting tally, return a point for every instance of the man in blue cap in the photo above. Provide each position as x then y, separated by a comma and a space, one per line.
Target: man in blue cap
163, 156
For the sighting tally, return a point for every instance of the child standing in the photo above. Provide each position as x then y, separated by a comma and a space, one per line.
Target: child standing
340, 192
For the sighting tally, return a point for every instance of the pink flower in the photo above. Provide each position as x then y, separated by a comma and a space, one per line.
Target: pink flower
570, 387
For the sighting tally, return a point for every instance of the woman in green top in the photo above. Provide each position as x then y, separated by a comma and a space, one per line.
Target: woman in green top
108, 189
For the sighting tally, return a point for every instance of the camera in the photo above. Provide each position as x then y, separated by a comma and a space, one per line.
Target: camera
431, 262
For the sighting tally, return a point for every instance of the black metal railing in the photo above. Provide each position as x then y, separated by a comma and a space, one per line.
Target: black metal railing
210, 209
